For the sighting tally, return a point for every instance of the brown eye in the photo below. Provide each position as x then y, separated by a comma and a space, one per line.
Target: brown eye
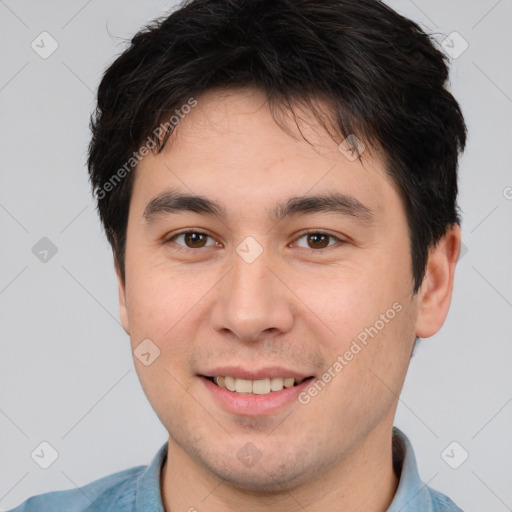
192, 240
318, 240
195, 240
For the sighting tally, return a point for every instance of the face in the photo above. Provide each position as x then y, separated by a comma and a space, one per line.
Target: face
253, 281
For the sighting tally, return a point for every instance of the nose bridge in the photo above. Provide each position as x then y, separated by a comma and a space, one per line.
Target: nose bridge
252, 303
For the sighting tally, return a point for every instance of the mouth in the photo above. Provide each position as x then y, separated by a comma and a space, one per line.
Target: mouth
255, 387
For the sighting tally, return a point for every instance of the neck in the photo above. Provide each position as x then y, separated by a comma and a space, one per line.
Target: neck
363, 480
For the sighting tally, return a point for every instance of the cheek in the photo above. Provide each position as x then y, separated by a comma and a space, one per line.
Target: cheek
387, 354
372, 317
350, 299
159, 299
366, 389
167, 307
162, 307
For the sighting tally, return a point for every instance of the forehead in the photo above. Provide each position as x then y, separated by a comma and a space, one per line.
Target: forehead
229, 147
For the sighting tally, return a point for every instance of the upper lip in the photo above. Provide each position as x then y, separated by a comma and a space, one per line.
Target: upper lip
251, 374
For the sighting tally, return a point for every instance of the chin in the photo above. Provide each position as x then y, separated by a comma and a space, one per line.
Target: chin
261, 480
282, 472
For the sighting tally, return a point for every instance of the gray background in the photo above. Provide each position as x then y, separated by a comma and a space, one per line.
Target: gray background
66, 372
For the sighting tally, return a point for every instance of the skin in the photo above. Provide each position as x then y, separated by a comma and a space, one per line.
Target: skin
299, 305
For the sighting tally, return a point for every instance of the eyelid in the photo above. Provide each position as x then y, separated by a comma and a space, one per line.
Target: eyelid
298, 237
319, 232
170, 238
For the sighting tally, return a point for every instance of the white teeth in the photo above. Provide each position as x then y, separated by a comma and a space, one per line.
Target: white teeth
276, 383
243, 386
261, 387
229, 383
288, 383
256, 387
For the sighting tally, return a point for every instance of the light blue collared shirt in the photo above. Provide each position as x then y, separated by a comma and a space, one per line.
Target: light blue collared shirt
138, 489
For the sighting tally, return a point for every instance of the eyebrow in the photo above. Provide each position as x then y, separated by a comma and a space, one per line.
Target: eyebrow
173, 201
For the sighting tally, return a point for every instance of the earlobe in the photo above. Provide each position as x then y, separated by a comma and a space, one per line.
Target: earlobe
434, 296
123, 311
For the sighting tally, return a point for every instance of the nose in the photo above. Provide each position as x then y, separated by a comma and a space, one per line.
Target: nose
252, 303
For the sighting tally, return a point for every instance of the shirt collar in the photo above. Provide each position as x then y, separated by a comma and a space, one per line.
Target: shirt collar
149, 496
412, 494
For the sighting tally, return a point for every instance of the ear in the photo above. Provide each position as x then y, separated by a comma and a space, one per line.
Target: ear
435, 293
123, 312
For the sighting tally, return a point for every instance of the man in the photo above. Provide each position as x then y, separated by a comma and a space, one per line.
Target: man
278, 182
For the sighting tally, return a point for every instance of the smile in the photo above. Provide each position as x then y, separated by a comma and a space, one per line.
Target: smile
256, 387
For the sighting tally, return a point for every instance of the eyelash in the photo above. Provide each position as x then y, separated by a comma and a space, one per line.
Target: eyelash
302, 235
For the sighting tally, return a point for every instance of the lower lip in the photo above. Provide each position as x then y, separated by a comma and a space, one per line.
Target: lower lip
255, 405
